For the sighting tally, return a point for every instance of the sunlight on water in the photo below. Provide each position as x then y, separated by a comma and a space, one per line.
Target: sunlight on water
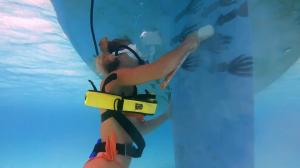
35, 53
44, 122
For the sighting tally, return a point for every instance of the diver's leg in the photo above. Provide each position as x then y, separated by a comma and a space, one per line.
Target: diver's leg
99, 162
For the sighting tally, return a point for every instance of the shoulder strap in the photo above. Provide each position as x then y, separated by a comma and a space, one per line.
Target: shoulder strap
130, 129
110, 78
135, 91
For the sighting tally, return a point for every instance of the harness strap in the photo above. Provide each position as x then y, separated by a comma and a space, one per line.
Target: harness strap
123, 149
106, 115
110, 78
144, 97
130, 129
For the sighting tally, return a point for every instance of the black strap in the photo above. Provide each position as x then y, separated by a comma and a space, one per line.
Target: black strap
141, 61
110, 78
131, 130
135, 91
123, 149
93, 85
106, 115
143, 97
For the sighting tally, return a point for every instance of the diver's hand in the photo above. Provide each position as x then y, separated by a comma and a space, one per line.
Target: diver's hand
103, 44
167, 79
192, 41
240, 66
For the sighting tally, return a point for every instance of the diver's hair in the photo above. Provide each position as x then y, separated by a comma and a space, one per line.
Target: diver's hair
112, 66
116, 43
112, 47
106, 68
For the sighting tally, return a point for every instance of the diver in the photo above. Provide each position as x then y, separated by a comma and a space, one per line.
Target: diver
120, 130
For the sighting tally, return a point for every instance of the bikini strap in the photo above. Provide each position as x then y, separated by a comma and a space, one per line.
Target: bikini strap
123, 149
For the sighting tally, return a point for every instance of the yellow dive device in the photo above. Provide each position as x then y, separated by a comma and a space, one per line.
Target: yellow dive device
97, 99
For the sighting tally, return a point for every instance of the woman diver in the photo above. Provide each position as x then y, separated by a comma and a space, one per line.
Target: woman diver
119, 130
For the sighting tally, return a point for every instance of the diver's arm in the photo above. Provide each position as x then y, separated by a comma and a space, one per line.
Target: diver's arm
158, 69
147, 126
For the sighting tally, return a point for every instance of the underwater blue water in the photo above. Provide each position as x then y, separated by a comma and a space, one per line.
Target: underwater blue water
44, 122
43, 80
277, 122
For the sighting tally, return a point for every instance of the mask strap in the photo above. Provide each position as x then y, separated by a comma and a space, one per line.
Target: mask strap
140, 60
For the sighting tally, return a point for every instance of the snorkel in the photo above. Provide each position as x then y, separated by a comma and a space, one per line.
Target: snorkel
112, 46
